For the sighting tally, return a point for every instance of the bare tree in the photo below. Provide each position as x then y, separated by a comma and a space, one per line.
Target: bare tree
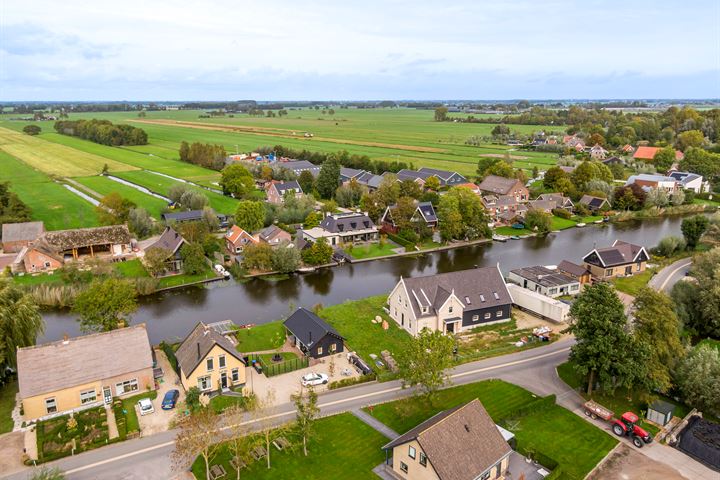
307, 412
197, 436
239, 443
264, 415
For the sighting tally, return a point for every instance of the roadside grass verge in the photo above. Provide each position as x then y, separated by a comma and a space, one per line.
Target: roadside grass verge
7, 403
267, 336
342, 446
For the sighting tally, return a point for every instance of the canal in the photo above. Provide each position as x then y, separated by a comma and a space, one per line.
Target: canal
171, 315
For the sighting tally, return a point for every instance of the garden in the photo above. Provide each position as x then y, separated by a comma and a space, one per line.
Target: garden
67, 435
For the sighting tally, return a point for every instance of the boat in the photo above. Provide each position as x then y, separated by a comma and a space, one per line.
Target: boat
598, 221
515, 237
500, 238
580, 225
306, 269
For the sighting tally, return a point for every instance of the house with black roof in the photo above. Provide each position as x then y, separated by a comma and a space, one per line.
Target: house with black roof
424, 213
347, 174
170, 242
299, 166
447, 178
622, 259
312, 335
190, 216
344, 228
276, 191
595, 204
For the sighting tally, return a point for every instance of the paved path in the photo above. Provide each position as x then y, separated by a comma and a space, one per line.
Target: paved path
666, 278
375, 423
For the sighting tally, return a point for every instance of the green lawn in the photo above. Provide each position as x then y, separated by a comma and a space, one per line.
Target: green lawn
37, 279
133, 424
267, 357
267, 336
182, 279
221, 402
561, 223
372, 250
509, 231
131, 268
588, 219
554, 432
341, 445
632, 285
103, 185
7, 403
700, 201
353, 320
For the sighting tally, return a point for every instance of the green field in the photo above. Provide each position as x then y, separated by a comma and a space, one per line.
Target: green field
7, 403
49, 201
104, 186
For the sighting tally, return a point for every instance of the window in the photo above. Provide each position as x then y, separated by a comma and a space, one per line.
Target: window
235, 375
485, 476
47, 265
488, 315
553, 291
423, 459
450, 309
210, 364
333, 348
475, 318
403, 467
221, 361
573, 287
498, 313
204, 383
320, 351
50, 405
608, 272
411, 452
126, 387
87, 396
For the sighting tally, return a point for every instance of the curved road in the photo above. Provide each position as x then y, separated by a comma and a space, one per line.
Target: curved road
666, 278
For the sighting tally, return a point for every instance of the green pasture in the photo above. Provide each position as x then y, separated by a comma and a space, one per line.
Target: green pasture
104, 186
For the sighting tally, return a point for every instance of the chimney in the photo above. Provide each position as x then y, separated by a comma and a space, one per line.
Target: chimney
198, 350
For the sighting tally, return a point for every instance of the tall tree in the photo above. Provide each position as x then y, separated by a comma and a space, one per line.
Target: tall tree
196, 437
250, 215
20, 324
698, 378
425, 361
236, 180
328, 178
693, 228
193, 256
306, 412
239, 442
538, 221
106, 305
114, 209
657, 325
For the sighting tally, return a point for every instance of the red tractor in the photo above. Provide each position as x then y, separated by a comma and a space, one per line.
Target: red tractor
627, 425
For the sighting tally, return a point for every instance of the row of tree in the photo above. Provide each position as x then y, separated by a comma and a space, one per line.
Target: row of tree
203, 154
103, 132
344, 158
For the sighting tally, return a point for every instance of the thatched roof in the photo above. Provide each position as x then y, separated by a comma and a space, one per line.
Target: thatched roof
61, 240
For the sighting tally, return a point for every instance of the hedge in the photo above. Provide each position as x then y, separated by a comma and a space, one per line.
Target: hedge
401, 241
170, 354
346, 382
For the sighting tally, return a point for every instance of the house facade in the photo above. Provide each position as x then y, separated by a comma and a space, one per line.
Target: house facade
560, 201
209, 361
344, 228
690, 181
16, 236
578, 272
424, 213
494, 185
659, 182
503, 208
171, 242
597, 152
236, 239
276, 191
622, 259
458, 444
312, 335
83, 372
450, 302
273, 235
546, 281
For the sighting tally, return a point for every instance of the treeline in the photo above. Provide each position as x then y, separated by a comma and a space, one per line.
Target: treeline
12, 209
204, 154
103, 132
360, 162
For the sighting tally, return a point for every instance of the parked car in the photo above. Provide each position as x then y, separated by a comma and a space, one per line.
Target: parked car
146, 407
170, 399
314, 379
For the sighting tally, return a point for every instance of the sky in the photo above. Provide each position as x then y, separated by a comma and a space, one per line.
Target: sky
165, 50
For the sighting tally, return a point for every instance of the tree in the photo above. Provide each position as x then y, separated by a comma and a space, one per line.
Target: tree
312, 220
258, 256
184, 151
264, 416
193, 257
702, 162
441, 114
250, 215
236, 181
196, 437
114, 209
306, 181
705, 270
106, 305
538, 221
328, 178
155, 260
192, 399
239, 442
698, 378
501, 169
306, 412
425, 361
500, 130
552, 176
657, 325
184, 196
657, 197
319, 253
432, 183
603, 349
678, 198
410, 188
285, 258
47, 473
629, 197
349, 195
139, 222
692, 229
664, 158
12, 209
461, 215
403, 212
689, 139
31, 130
484, 163
20, 324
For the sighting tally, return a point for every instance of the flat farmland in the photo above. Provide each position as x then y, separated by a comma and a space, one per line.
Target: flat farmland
55, 159
50, 202
104, 186
161, 185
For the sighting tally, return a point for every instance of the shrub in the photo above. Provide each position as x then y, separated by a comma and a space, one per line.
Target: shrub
562, 213
670, 245
346, 382
170, 354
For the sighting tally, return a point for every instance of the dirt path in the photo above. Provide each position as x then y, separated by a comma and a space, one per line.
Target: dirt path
628, 464
11, 450
285, 133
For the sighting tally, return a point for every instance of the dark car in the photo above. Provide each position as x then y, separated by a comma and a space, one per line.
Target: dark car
170, 399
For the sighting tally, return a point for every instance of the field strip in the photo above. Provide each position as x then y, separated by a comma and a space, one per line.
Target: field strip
273, 132
54, 158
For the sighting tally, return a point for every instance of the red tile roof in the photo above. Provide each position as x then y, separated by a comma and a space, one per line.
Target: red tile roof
648, 153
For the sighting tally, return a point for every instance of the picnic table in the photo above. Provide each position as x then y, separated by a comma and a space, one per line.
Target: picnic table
217, 471
281, 443
237, 463
258, 452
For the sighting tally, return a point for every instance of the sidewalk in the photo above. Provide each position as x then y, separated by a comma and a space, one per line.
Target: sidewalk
375, 423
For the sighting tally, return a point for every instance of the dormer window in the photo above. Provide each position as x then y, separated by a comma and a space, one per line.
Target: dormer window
450, 309
424, 309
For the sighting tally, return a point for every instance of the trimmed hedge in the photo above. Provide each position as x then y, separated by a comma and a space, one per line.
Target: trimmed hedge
170, 354
401, 241
346, 382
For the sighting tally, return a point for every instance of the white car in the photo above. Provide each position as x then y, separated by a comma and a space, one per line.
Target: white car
312, 379
146, 407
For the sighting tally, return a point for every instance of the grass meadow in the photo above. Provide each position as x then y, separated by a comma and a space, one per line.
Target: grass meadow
104, 186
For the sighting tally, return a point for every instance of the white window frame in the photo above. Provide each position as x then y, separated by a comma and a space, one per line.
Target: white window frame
210, 364
85, 397
412, 453
498, 314
320, 350
235, 375
205, 379
488, 316
120, 387
475, 318
221, 362
51, 403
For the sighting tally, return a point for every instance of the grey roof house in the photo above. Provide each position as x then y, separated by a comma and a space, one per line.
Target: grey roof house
171, 242
447, 178
344, 228
424, 212
312, 335
549, 282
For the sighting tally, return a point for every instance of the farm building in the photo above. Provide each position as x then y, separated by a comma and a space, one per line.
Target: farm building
15, 236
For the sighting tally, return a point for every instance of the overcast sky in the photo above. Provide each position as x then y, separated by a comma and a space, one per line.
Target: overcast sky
356, 50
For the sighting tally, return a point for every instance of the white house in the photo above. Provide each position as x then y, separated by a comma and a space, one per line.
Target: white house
691, 181
546, 281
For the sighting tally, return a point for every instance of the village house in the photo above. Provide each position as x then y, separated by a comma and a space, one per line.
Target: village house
478, 449
659, 182
15, 236
546, 281
575, 142
689, 181
471, 186
236, 239
546, 206
627, 149
276, 191
369, 180
344, 228
578, 272
621, 260
494, 185
405, 174
424, 213
560, 201
450, 302
613, 161
447, 178
597, 152
595, 204
209, 361
503, 208
347, 174
312, 335
647, 154
171, 242
299, 166
273, 235
77, 373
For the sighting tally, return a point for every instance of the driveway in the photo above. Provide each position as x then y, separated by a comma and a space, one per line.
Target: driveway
159, 421
11, 450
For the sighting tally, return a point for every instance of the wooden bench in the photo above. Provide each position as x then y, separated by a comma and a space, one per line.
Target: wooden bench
217, 471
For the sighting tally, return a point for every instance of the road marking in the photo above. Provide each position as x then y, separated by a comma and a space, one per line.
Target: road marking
662, 287
327, 404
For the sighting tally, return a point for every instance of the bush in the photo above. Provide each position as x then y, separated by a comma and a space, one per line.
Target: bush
401, 241
346, 382
170, 354
562, 213
670, 245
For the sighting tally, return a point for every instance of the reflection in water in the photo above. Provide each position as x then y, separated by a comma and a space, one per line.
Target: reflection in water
172, 314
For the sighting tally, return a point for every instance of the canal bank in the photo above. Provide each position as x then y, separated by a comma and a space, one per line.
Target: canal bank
170, 315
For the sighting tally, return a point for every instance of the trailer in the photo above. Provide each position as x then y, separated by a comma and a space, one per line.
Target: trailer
625, 426
538, 304
595, 410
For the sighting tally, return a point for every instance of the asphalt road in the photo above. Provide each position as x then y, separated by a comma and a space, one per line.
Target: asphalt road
666, 278
149, 457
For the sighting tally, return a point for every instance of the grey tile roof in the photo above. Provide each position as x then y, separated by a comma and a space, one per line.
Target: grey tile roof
406, 174
170, 240
444, 175
350, 172
57, 365
198, 344
24, 231
298, 166
460, 443
620, 253
544, 276
268, 233
308, 327
497, 185
572, 268
427, 211
593, 202
347, 223
190, 215
285, 186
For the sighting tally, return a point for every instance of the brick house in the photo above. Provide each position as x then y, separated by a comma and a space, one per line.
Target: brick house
236, 239
15, 236
494, 185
